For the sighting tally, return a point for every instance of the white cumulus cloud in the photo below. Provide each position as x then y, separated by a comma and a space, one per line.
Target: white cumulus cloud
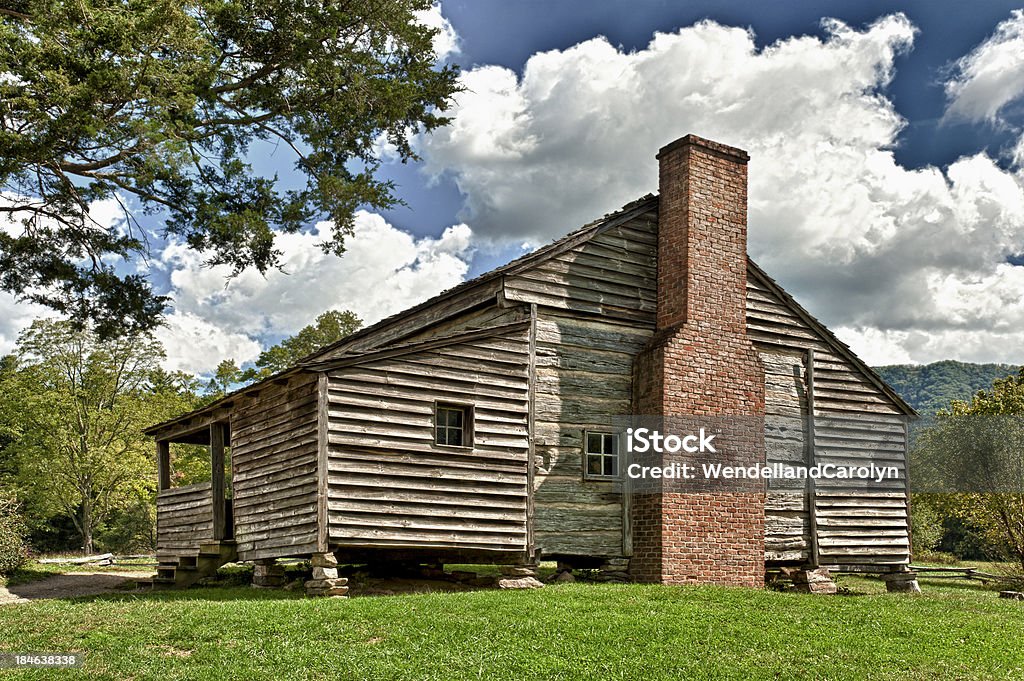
888, 254
384, 270
446, 41
991, 75
15, 316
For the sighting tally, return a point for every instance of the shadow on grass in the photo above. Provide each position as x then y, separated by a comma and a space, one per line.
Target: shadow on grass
853, 586
68, 586
26, 576
970, 585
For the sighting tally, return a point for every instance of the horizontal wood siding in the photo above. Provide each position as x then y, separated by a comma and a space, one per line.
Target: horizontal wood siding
390, 486
584, 369
614, 274
403, 326
274, 458
486, 317
855, 424
786, 522
184, 519
860, 522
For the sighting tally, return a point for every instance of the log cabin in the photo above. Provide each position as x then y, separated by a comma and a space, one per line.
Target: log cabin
477, 427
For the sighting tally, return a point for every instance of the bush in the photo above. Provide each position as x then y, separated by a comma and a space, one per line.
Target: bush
926, 526
130, 530
935, 557
13, 552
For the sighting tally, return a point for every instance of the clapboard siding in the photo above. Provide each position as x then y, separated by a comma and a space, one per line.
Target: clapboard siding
584, 378
613, 274
787, 522
488, 316
859, 522
184, 519
274, 459
390, 486
435, 313
855, 424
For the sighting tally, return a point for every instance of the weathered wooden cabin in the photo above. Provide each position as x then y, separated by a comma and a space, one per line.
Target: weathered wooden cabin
477, 426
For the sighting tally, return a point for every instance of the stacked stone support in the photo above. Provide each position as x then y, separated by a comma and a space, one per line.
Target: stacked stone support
325, 581
268, 574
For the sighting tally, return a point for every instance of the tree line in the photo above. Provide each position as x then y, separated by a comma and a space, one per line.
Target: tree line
929, 388
73, 407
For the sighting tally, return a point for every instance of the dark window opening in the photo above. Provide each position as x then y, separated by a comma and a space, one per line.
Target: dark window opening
453, 425
601, 455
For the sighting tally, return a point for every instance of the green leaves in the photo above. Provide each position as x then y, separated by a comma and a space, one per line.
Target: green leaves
329, 327
160, 104
973, 455
79, 405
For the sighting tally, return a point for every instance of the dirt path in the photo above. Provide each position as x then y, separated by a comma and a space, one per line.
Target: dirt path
70, 585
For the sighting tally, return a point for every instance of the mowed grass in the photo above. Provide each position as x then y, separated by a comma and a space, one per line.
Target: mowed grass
571, 631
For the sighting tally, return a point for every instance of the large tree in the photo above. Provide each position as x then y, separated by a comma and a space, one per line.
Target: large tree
81, 405
328, 327
161, 105
972, 460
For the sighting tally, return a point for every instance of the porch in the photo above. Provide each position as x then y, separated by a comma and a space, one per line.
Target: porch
194, 523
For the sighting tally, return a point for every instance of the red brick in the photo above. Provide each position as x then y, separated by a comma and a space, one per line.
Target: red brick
701, 363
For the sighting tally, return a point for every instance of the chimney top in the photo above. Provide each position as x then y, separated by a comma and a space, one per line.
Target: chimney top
702, 235
732, 153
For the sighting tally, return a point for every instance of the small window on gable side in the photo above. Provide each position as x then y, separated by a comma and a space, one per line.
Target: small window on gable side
453, 425
600, 455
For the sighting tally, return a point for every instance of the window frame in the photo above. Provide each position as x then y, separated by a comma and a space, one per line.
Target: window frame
616, 454
468, 420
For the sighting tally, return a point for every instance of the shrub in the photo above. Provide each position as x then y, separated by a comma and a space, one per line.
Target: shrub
13, 552
926, 524
130, 530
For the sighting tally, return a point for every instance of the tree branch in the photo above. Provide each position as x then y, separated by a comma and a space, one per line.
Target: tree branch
13, 13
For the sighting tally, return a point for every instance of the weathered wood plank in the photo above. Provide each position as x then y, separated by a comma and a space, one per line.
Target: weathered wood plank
389, 482
274, 449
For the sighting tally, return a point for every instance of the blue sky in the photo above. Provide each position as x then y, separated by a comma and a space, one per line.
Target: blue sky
509, 33
887, 171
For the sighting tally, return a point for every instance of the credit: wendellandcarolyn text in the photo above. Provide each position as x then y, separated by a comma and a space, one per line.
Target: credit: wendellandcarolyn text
648, 441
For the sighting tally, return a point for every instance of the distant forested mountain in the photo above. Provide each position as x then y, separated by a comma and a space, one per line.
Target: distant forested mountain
930, 387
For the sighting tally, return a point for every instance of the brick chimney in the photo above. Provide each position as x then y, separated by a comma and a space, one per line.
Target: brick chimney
700, 368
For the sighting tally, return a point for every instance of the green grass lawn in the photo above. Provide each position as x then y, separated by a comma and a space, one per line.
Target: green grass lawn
565, 631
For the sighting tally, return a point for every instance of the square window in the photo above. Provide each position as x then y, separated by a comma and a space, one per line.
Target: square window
453, 425
601, 455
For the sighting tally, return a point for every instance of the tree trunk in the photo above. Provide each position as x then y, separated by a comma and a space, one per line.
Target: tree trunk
87, 528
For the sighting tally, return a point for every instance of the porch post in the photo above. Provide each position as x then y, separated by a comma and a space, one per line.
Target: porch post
217, 479
163, 465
